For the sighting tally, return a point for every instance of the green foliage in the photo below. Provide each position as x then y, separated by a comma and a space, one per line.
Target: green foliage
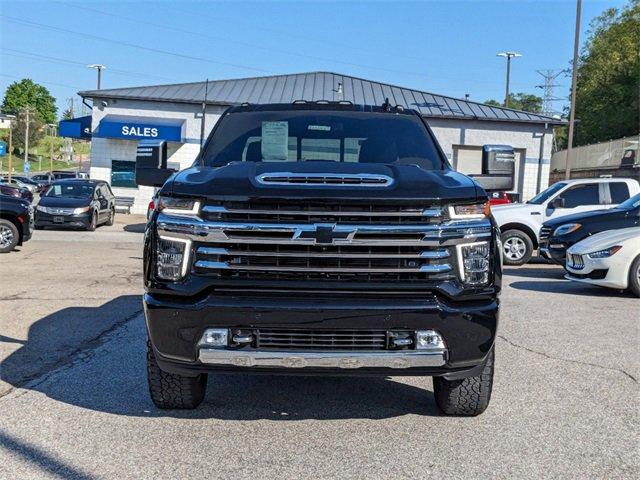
67, 114
36, 130
27, 93
608, 82
521, 101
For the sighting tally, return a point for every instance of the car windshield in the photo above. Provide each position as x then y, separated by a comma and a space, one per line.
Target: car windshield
326, 136
544, 195
631, 203
75, 190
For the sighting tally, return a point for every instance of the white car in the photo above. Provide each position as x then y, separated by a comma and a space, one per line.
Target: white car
609, 259
520, 223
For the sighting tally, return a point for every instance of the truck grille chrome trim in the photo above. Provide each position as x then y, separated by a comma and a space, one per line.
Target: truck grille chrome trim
305, 359
426, 212
323, 179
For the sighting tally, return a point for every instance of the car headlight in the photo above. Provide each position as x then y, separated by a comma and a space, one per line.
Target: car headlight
473, 211
607, 252
473, 261
78, 211
42, 209
566, 228
172, 257
178, 206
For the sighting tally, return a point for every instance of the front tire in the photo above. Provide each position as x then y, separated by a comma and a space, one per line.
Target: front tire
9, 236
112, 216
172, 391
94, 222
517, 247
634, 277
467, 397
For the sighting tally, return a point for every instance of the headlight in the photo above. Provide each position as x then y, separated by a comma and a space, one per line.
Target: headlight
172, 257
78, 211
474, 211
42, 209
178, 206
566, 228
607, 252
473, 261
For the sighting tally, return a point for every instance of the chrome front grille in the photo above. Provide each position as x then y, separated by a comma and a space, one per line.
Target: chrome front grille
575, 261
283, 339
367, 245
545, 233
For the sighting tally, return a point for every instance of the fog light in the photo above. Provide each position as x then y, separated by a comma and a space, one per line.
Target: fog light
172, 255
429, 340
473, 260
215, 337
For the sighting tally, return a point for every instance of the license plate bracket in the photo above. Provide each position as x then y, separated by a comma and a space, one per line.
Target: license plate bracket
58, 219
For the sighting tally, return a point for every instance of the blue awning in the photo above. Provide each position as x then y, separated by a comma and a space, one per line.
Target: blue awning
138, 128
75, 127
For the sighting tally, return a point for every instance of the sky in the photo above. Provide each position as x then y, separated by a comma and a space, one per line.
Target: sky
444, 47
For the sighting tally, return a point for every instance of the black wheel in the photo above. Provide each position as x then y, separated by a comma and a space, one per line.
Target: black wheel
171, 391
517, 247
112, 217
467, 397
9, 236
94, 222
634, 276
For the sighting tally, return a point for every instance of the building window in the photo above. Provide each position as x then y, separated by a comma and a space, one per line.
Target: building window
123, 174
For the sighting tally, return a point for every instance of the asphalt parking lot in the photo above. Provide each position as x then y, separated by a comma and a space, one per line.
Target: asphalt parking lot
74, 401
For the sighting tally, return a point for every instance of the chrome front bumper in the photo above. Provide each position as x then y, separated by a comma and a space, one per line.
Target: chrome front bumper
347, 360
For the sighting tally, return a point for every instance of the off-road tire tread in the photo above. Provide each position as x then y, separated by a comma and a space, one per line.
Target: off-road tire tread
467, 397
171, 391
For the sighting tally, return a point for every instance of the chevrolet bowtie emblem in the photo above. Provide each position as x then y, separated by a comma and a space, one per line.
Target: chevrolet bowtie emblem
323, 234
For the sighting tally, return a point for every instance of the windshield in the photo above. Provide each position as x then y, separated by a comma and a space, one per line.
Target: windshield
633, 202
76, 190
545, 194
312, 135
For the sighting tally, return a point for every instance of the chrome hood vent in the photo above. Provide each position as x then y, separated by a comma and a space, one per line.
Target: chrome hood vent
332, 179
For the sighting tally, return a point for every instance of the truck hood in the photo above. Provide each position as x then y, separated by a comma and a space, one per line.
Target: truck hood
237, 181
515, 209
603, 240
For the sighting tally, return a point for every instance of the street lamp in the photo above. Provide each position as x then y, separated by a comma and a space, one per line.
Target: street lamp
99, 68
508, 56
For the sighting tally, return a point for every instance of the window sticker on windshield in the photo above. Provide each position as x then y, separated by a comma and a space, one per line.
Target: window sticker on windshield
322, 128
275, 140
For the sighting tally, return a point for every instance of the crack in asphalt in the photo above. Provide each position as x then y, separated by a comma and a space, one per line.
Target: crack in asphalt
567, 360
81, 354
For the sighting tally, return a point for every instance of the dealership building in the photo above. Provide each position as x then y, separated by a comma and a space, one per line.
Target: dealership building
123, 116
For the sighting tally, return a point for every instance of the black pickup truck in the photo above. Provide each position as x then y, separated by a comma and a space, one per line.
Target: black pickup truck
322, 238
16, 222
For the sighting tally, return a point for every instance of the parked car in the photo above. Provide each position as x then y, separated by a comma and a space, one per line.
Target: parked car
18, 184
499, 198
76, 203
609, 259
276, 257
15, 191
63, 174
39, 185
520, 223
559, 234
16, 222
43, 178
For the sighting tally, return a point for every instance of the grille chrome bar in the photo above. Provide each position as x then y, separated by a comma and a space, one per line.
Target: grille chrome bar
438, 268
425, 212
429, 254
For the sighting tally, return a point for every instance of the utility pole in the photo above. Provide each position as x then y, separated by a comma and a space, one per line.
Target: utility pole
548, 86
99, 68
27, 111
574, 77
508, 56
11, 119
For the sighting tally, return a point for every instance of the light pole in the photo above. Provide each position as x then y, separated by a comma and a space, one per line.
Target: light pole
52, 127
508, 56
574, 77
11, 118
99, 68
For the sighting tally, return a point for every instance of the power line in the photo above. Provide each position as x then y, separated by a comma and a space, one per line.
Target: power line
38, 25
47, 58
65, 85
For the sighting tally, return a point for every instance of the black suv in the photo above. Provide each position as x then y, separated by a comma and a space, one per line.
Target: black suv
16, 222
321, 238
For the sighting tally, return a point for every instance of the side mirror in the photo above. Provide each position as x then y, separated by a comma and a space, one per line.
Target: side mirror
498, 167
557, 202
151, 163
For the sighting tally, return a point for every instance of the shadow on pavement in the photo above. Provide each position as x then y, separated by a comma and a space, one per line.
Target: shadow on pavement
569, 288
135, 227
112, 379
542, 271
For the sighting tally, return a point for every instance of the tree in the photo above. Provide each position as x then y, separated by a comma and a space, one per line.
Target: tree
608, 80
36, 130
521, 101
67, 114
27, 93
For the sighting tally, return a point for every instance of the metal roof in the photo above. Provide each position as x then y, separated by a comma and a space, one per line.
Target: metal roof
320, 86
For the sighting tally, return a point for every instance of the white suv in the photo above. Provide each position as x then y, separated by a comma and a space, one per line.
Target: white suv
520, 222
